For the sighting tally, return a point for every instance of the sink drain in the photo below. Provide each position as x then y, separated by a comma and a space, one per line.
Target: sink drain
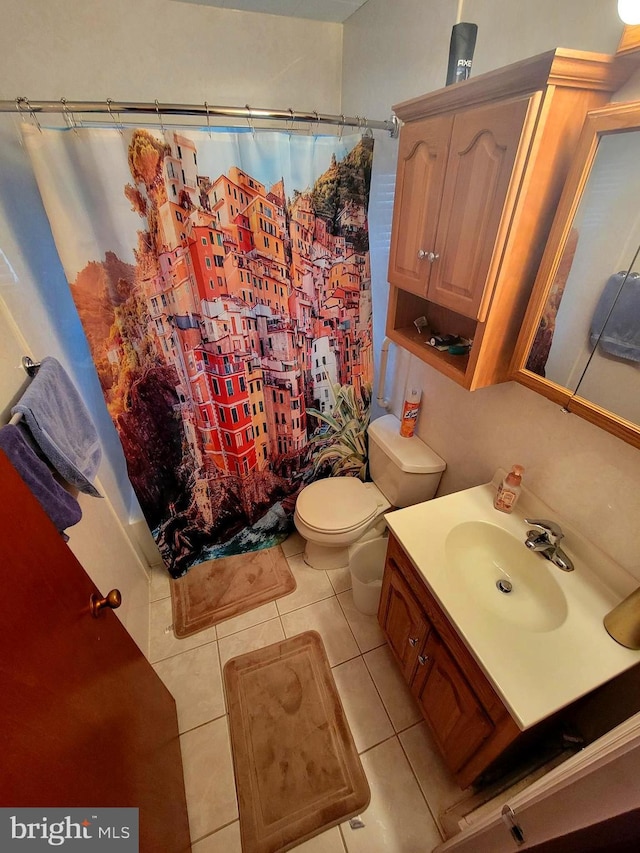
504, 586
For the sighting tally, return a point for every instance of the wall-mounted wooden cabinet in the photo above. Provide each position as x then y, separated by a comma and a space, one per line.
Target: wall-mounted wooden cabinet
468, 720
481, 166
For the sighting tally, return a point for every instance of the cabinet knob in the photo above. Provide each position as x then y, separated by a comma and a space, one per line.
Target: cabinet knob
423, 659
430, 256
413, 641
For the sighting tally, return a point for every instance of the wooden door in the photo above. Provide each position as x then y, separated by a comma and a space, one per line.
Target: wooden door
85, 719
482, 154
422, 157
456, 717
402, 620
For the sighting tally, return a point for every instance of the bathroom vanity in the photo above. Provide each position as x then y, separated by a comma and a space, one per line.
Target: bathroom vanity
467, 717
487, 668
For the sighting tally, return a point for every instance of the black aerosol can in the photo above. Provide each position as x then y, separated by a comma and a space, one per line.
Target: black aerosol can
463, 43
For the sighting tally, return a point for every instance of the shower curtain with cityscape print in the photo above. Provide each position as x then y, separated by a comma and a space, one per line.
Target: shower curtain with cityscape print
223, 283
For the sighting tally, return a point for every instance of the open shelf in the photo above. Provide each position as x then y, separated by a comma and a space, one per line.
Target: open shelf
405, 308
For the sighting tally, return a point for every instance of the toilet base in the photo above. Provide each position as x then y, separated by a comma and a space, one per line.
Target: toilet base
321, 557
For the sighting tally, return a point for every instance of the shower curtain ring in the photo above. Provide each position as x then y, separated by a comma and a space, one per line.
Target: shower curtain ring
25, 101
160, 117
117, 123
68, 116
249, 122
290, 122
206, 106
341, 126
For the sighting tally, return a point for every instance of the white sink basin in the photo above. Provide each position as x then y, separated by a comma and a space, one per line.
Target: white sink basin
543, 644
501, 575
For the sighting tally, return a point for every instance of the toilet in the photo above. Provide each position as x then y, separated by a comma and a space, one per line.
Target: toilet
335, 513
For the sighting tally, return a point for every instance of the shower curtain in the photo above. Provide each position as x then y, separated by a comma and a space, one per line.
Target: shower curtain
222, 279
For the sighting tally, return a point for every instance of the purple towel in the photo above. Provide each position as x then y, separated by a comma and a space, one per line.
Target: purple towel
61, 507
60, 425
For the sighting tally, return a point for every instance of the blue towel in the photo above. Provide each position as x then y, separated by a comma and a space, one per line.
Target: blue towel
61, 507
61, 427
615, 325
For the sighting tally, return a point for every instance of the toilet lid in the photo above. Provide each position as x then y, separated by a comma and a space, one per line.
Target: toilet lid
336, 505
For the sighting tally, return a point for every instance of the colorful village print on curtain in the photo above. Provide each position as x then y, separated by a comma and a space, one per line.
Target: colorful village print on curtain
235, 351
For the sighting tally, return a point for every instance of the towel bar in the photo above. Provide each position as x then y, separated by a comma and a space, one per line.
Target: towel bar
30, 365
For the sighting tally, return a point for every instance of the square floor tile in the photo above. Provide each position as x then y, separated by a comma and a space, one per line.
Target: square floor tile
397, 820
365, 712
327, 842
250, 639
365, 628
325, 617
160, 584
163, 643
396, 696
434, 777
247, 620
313, 585
294, 544
194, 680
340, 579
208, 778
225, 840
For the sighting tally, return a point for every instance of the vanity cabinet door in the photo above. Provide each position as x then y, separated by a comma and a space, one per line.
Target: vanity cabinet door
422, 157
452, 710
482, 154
402, 620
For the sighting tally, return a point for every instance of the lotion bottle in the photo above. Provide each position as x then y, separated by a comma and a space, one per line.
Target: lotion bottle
509, 490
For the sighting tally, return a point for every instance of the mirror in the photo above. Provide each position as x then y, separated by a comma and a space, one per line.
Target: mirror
580, 341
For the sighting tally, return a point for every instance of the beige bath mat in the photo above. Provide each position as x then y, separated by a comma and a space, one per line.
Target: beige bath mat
219, 589
296, 765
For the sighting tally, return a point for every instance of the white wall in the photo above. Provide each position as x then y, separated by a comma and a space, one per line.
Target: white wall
395, 51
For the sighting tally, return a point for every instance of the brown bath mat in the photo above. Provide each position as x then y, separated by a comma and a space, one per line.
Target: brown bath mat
219, 589
296, 765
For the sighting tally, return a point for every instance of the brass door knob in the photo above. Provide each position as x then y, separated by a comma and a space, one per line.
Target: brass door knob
113, 600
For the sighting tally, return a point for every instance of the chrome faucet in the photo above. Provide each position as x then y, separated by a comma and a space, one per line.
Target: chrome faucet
545, 540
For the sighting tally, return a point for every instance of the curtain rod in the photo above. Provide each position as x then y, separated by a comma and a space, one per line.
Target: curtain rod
113, 108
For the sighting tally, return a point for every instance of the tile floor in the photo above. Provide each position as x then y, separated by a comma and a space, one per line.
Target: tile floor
409, 784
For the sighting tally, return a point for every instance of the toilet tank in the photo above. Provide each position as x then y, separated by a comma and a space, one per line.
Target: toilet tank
405, 470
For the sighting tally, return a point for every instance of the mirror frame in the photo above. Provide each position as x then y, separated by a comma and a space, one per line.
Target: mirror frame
611, 119
629, 41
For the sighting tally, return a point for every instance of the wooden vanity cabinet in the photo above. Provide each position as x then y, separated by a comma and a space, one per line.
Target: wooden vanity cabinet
481, 166
467, 718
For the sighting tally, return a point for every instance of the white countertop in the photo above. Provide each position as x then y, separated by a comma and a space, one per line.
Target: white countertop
535, 672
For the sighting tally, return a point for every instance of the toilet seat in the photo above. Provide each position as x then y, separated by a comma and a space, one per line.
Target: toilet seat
336, 505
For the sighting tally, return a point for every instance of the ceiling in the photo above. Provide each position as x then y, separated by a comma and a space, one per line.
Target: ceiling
315, 10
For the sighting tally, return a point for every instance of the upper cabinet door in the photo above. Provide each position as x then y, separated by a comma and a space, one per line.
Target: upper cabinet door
422, 158
482, 154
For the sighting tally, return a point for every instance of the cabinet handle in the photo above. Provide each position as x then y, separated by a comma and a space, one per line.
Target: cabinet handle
413, 641
430, 256
422, 659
